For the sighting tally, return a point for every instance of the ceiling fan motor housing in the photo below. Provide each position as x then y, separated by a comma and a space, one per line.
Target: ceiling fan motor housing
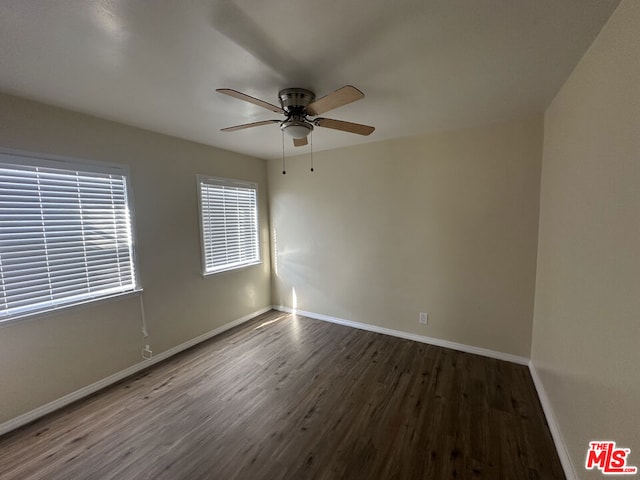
294, 102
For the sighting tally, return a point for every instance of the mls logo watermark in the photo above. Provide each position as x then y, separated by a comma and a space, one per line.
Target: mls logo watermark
610, 460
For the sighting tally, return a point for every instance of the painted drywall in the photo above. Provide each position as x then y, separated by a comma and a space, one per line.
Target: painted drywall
47, 356
586, 332
444, 224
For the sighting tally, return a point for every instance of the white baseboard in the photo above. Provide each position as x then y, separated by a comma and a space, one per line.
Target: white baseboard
105, 382
410, 336
556, 433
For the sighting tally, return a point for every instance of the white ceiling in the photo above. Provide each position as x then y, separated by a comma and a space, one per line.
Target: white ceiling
424, 65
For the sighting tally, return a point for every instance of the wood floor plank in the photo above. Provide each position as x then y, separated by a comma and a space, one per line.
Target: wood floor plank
286, 397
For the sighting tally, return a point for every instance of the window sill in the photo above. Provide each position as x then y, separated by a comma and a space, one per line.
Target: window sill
23, 317
232, 269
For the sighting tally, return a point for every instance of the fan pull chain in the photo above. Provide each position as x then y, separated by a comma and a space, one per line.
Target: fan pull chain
311, 144
284, 170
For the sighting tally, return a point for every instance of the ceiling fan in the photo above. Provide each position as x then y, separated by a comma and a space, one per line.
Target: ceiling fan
298, 104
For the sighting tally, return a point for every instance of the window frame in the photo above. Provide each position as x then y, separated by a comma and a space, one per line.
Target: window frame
227, 182
33, 159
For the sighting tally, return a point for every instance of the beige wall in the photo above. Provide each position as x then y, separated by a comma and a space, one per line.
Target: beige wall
586, 336
48, 356
443, 223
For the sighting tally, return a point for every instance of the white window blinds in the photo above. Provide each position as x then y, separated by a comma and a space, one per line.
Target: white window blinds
65, 237
229, 221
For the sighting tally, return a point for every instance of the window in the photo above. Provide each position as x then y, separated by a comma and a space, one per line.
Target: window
65, 234
229, 224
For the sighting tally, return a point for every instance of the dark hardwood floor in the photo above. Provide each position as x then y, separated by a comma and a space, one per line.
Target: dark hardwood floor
282, 397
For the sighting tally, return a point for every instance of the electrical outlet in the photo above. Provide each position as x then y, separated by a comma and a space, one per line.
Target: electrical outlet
424, 318
146, 352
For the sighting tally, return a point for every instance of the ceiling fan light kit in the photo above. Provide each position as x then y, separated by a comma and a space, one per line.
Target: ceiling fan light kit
296, 129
